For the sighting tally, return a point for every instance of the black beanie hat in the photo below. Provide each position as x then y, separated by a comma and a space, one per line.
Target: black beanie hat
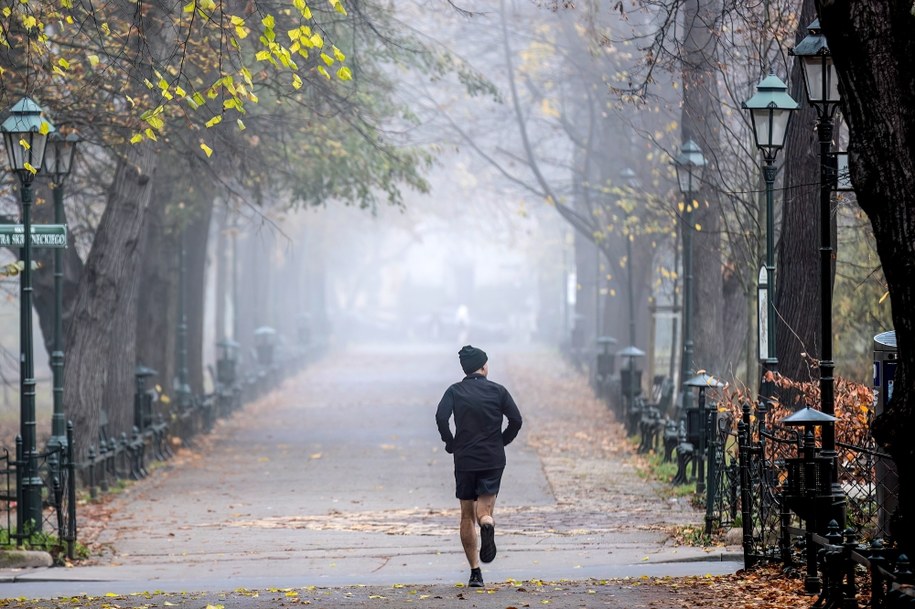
472, 359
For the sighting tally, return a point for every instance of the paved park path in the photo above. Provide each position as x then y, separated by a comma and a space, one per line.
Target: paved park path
339, 478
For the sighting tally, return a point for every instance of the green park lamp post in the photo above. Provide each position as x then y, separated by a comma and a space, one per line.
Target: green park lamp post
770, 112
25, 135
689, 165
821, 85
630, 182
58, 162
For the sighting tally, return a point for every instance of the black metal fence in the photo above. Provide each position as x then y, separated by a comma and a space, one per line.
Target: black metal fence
791, 503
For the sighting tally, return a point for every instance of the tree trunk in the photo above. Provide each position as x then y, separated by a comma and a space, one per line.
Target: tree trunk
157, 308
700, 97
221, 252
196, 236
797, 285
874, 54
107, 285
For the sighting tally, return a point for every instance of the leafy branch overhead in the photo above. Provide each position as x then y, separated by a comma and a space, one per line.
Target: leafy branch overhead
211, 59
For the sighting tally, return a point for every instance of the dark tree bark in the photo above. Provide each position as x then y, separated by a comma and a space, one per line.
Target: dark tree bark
874, 53
106, 290
797, 298
700, 97
157, 306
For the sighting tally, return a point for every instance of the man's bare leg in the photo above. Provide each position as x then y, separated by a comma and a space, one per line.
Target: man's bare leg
485, 506
469, 531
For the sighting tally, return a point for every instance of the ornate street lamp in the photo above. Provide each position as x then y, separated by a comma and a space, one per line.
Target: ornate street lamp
25, 135
822, 90
689, 165
58, 162
770, 112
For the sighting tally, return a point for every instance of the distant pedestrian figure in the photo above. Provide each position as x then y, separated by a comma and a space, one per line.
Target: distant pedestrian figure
478, 445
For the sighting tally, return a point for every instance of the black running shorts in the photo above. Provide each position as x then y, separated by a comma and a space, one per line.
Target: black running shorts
470, 485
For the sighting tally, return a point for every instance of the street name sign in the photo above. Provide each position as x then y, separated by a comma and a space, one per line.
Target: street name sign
43, 235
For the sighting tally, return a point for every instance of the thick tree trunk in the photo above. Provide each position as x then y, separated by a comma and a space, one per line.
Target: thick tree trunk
157, 306
797, 285
700, 97
874, 54
107, 285
196, 236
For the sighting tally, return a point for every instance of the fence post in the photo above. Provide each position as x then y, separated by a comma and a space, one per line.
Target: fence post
20, 519
71, 491
711, 486
93, 493
746, 515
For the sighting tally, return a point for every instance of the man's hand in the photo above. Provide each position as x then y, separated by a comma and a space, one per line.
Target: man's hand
449, 448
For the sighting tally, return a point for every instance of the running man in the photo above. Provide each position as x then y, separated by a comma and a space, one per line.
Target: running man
478, 445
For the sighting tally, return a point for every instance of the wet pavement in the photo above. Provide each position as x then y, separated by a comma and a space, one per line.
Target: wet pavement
339, 478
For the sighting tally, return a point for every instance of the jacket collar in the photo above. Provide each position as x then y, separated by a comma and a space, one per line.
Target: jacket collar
474, 375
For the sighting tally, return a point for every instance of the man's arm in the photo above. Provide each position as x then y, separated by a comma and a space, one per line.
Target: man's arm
442, 416
511, 412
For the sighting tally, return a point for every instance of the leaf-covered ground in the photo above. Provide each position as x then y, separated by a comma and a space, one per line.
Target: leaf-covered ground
587, 461
765, 589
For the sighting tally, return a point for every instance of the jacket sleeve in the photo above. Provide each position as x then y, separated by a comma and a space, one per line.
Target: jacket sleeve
511, 412
442, 416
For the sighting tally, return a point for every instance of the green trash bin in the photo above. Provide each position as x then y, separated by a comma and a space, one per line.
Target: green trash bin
885, 360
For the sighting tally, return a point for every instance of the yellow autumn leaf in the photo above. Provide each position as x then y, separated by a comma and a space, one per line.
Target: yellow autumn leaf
338, 54
241, 124
344, 73
296, 81
93, 60
24, 144
884, 297
206, 149
136, 139
44, 128
323, 72
327, 59
214, 121
698, 227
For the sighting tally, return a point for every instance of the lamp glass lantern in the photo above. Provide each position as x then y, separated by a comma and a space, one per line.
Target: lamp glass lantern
25, 136
629, 179
59, 155
770, 112
820, 80
689, 165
